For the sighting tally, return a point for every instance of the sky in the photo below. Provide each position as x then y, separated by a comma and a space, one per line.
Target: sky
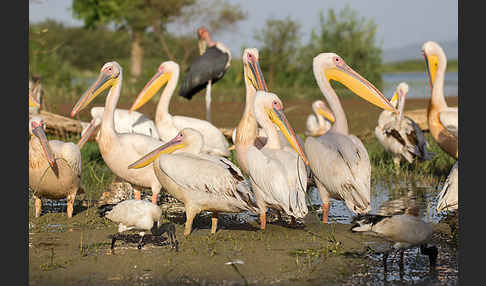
400, 23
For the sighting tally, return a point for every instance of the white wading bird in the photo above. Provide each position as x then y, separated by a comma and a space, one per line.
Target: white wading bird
169, 125
338, 160
398, 221
400, 135
125, 122
448, 199
247, 130
277, 174
442, 120
138, 215
120, 149
201, 181
319, 122
54, 167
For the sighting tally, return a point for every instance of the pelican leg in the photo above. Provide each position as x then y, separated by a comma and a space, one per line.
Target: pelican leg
208, 101
155, 197
70, 205
190, 214
325, 198
214, 222
136, 193
37, 206
263, 220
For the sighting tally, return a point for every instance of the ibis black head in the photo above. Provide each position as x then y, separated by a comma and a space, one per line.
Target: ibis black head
102, 210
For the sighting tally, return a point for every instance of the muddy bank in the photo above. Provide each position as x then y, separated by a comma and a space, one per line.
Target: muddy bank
77, 252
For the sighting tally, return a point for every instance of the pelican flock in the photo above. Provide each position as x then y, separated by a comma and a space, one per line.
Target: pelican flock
271, 167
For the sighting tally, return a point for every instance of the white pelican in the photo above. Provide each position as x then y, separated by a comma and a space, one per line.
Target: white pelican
277, 174
207, 69
405, 228
138, 215
35, 95
442, 120
201, 181
319, 122
339, 160
120, 149
247, 130
54, 167
448, 199
169, 125
127, 121
400, 135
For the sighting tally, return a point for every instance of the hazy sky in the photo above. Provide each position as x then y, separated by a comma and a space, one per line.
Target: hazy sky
400, 22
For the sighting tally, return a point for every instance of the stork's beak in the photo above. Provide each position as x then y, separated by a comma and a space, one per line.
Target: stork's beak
431, 63
90, 130
167, 148
257, 79
157, 81
359, 85
278, 117
39, 132
328, 115
103, 82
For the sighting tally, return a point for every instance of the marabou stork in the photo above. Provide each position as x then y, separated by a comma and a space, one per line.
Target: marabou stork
208, 68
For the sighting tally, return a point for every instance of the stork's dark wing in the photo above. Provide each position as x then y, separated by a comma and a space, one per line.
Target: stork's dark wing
208, 66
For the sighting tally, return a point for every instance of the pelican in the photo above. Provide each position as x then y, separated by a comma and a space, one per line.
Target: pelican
319, 123
401, 136
207, 69
169, 125
120, 149
398, 221
442, 119
127, 121
54, 167
247, 129
277, 174
201, 181
339, 160
139, 215
448, 199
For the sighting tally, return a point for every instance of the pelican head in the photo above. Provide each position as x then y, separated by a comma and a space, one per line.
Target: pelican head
93, 127
333, 67
251, 69
187, 140
109, 76
435, 58
401, 91
268, 104
164, 73
37, 128
321, 108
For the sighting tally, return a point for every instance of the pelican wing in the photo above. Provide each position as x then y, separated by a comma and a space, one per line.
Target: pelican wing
214, 140
341, 164
208, 174
69, 152
209, 66
270, 177
449, 119
448, 197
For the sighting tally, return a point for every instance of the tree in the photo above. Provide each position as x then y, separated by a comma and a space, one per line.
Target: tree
351, 37
280, 39
137, 16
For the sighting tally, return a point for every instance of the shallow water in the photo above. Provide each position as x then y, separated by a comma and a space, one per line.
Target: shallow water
418, 84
